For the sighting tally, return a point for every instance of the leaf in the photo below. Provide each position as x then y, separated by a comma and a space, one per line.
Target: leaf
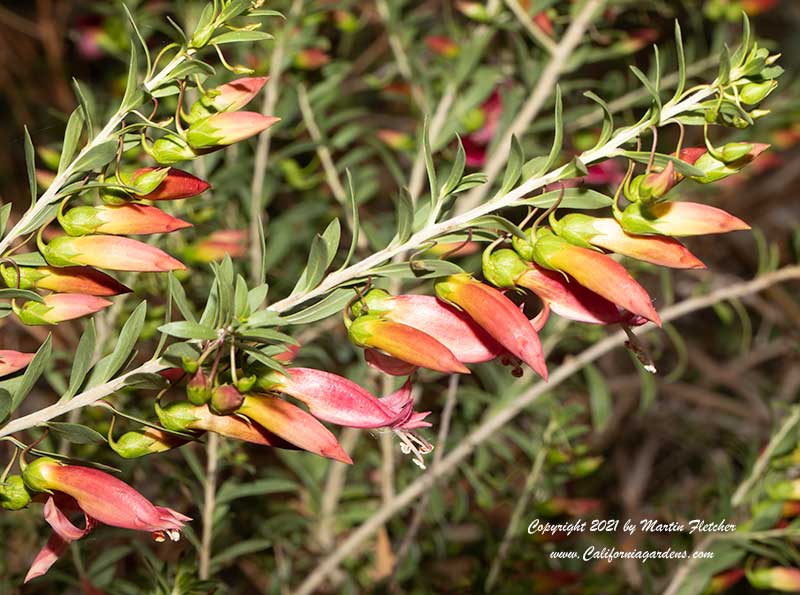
470, 181
190, 67
351, 200
29, 259
724, 76
661, 160
240, 308
574, 198
239, 36
231, 490
257, 296
96, 157
76, 433
405, 216
238, 550
128, 336
558, 135
322, 252
456, 172
179, 297
514, 166
429, 166
329, 305
30, 164
139, 36
599, 397
82, 361
72, 136
266, 334
133, 95
186, 329
681, 62
5, 211
32, 373
5, 404
20, 294
418, 269
608, 120
87, 112
650, 89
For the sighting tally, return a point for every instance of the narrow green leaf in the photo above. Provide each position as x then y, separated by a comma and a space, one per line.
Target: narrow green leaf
724, 76
322, 252
30, 164
32, 373
514, 167
240, 309
5, 211
418, 269
82, 361
429, 166
87, 110
239, 37
139, 36
329, 305
681, 53
651, 89
76, 433
232, 490
185, 329
72, 136
661, 160
179, 297
457, 171
97, 156
256, 297
20, 294
29, 259
574, 198
133, 95
608, 120
238, 550
599, 397
351, 200
405, 216
558, 138
5, 404
110, 365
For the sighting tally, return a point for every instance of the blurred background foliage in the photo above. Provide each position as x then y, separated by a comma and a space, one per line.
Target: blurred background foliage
612, 442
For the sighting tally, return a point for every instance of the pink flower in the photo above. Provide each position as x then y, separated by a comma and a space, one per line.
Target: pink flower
64, 280
108, 252
102, 498
178, 184
226, 128
13, 361
60, 307
126, 219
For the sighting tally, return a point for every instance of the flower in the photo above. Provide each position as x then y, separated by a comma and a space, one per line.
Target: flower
60, 307
586, 231
177, 184
442, 45
221, 243
778, 578
127, 219
108, 252
495, 314
13, 361
101, 497
229, 97
311, 59
226, 128
593, 270
723, 581
404, 342
293, 425
63, 280
678, 219
454, 329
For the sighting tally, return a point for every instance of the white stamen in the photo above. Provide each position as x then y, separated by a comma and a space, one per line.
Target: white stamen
410, 443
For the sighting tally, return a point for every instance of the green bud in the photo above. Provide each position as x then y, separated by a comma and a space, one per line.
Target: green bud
246, 384
226, 399
60, 252
269, 381
503, 267
197, 390
753, 93
189, 364
586, 466
13, 495
177, 416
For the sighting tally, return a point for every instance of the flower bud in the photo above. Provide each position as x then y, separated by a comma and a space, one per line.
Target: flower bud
64, 280
652, 186
197, 390
503, 267
13, 361
444, 46
127, 219
175, 185
221, 243
170, 149
108, 252
225, 399
753, 93
246, 384
13, 495
723, 581
778, 578
135, 444
177, 416
229, 97
678, 219
311, 59
60, 307
226, 128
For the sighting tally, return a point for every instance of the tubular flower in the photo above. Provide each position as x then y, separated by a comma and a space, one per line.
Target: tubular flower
342, 402
654, 185
227, 98
778, 578
593, 270
177, 184
497, 315
564, 296
226, 128
293, 425
13, 361
221, 243
678, 219
723, 581
128, 219
404, 342
102, 498
588, 232
64, 280
388, 364
108, 252
181, 416
60, 307
468, 342
728, 161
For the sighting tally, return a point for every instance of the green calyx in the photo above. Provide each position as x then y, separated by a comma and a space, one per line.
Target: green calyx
577, 228
271, 381
34, 314
60, 252
225, 399
503, 267
753, 93
80, 221
447, 288
373, 302
637, 219
13, 495
362, 329
27, 279
547, 245
148, 181
246, 384
133, 445
733, 152
524, 247
35, 474
178, 416
170, 149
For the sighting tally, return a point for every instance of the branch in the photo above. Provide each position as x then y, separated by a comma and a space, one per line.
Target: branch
491, 426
